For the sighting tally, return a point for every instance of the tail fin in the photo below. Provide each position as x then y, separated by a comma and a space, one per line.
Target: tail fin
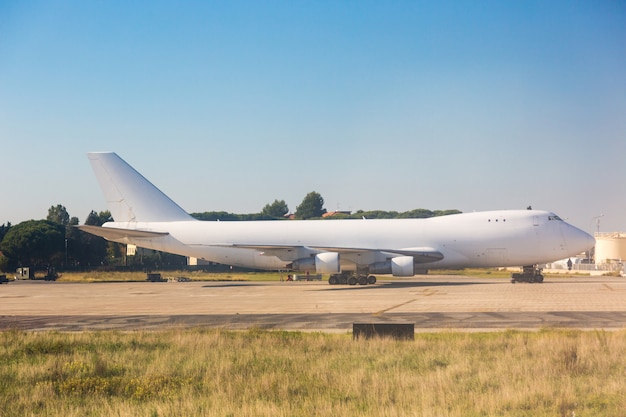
131, 197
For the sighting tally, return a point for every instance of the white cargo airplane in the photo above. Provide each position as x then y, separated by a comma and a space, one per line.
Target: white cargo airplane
351, 250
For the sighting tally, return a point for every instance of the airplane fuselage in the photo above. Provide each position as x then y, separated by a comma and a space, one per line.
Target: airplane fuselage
482, 239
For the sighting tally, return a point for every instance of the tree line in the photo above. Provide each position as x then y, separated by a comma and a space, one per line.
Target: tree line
55, 241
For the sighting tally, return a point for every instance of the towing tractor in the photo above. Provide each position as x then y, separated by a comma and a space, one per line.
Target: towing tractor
530, 274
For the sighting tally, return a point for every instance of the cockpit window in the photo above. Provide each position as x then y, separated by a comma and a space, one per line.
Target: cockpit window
555, 217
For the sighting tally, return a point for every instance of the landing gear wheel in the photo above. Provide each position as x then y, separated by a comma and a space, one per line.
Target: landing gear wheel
538, 278
362, 280
371, 279
333, 280
352, 281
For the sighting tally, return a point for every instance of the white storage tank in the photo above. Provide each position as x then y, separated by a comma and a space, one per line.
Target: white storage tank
610, 247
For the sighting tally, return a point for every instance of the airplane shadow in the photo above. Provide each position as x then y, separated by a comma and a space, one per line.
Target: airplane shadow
430, 284
231, 284
414, 284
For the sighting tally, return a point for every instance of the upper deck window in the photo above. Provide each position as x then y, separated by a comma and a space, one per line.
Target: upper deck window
555, 217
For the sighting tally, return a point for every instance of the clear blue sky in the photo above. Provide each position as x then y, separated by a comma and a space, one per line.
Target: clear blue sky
228, 105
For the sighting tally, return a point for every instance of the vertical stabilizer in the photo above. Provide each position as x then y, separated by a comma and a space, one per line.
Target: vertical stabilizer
131, 197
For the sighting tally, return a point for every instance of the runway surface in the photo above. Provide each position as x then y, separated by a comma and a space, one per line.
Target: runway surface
430, 302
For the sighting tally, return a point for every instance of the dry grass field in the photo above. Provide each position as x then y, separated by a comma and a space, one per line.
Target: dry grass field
259, 373
108, 276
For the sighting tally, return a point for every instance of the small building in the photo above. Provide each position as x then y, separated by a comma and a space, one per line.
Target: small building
191, 261
24, 273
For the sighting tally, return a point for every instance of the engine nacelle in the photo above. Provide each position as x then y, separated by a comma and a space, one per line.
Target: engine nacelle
400, 266
322, 263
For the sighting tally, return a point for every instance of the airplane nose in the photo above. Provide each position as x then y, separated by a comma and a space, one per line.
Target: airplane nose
578, 240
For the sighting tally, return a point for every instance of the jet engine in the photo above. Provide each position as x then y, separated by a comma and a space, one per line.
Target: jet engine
322, 263
400, 266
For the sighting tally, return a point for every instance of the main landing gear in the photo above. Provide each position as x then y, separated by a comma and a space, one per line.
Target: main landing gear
529, 274
351, 279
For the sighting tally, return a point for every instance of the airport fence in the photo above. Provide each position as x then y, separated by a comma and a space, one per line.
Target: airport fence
612, 267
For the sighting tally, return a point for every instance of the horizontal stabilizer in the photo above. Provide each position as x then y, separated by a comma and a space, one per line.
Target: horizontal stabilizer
112, 233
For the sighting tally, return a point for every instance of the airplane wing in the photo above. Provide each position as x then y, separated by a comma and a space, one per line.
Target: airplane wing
112, 233
421, 255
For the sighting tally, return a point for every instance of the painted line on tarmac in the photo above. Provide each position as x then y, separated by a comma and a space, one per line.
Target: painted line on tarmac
381, 312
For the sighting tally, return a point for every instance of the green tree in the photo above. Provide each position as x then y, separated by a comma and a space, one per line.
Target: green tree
98, 219
312, 206
4, 229
95, 250
4, 261
34, 243
375, 214
59, 214
5, 264
416, 214
446, 212
276, 209
74, 250
216, 215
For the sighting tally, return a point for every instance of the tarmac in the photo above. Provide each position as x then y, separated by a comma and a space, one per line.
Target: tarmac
432, 303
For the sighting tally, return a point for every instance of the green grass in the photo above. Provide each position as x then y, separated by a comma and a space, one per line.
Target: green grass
260, 373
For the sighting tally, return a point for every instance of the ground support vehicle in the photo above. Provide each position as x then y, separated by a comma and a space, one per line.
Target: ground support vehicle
530, 274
